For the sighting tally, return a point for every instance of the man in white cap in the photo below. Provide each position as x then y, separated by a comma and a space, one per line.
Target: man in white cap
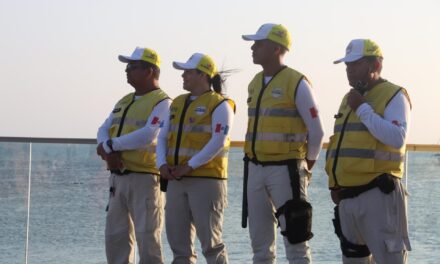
365, 161
126, 141
283, 140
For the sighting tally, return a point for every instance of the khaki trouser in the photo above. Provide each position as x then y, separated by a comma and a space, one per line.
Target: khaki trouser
196, 204
379, 221
268, 189
137, 204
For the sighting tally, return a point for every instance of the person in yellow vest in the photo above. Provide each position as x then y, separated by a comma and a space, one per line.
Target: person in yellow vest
127, 141
283, 140
193, 155
364, 161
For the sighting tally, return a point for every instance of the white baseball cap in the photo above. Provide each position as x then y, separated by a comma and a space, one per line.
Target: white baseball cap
142, 54
359, 48
200, 62
274, 32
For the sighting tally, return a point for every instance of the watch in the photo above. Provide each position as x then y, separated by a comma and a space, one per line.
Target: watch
110, 144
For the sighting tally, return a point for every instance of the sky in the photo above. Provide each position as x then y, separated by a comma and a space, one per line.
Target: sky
60, 76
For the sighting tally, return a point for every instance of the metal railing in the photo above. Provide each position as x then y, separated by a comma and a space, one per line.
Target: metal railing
91, 141
409, 147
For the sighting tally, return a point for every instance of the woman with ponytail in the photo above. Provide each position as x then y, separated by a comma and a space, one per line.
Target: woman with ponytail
192, 155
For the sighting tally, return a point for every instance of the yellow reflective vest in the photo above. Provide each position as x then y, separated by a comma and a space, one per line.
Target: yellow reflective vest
130, 115
275, 131
354, 157
191, 129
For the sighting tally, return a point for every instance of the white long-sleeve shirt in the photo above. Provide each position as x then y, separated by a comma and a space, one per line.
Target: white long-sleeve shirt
139, 138
223, 115
308, 110
393, 127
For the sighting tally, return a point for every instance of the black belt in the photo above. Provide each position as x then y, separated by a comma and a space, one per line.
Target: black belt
121, 173
126, 172
269, 163
384, 182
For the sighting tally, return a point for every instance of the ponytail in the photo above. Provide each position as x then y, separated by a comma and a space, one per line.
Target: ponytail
217, 83
218, 80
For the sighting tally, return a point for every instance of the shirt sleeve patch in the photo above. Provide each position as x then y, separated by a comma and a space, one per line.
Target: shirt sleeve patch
155, 120
313, 112
225, 129
218, 127
221, 129
399, 124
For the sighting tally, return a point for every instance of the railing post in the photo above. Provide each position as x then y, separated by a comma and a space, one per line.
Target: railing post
28, 205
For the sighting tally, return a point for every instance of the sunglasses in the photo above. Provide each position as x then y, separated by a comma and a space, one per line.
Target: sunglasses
131, 66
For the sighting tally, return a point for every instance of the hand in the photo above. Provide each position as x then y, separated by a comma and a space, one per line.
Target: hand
101, 152
166, 172
354, 99
310, 164
181, 170
114, 161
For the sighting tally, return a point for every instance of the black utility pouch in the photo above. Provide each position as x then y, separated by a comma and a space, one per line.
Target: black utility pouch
297, 211
386, 183
298, 215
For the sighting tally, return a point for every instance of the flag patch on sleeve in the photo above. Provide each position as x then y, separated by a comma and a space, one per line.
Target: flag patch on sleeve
218, 128
155, 120
221, 129
313, 112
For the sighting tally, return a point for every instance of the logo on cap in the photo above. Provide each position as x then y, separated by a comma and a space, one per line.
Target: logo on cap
372, 49
151, 56
207, 66
279, 33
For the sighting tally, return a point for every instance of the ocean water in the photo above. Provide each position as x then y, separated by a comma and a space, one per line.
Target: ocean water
69, 194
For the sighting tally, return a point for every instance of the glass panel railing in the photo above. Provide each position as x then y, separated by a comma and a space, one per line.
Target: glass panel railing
423, 180
14, 171
68, 199
69, 193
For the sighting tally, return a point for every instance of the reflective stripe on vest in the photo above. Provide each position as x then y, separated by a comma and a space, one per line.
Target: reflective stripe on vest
192, 128
279, 137
367, 154
189, 152
130, 122
274, 112
351, 127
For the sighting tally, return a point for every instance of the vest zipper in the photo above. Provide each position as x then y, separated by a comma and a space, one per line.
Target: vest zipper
338, 148
179, 131
121, 124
